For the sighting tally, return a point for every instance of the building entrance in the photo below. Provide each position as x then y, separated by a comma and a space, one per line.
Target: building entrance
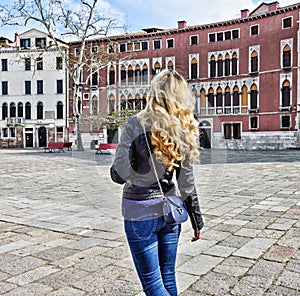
205, 134
112, 136
42, 134
29, 140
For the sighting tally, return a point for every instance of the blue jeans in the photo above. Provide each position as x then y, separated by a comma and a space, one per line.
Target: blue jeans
153, 245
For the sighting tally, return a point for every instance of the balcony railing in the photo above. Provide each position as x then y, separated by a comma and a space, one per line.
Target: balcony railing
227, 110
14, 120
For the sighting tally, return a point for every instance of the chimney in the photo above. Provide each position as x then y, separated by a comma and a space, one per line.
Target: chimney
273, 6
244, 13
16, 41
181, 24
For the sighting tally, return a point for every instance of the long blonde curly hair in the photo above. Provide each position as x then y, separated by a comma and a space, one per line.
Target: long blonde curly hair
169, 112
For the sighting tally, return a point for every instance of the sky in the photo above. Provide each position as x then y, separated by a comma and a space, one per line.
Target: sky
139, 14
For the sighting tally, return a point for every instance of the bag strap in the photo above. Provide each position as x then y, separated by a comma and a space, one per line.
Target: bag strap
153, 164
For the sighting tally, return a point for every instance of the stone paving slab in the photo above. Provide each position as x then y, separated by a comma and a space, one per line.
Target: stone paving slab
61, 230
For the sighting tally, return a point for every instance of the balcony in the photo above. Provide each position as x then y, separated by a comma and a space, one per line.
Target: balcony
223, 110
15, 121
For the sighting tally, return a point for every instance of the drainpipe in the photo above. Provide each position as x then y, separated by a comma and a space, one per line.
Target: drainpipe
298, 86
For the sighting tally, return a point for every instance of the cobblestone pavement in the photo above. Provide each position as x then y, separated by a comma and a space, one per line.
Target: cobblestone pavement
61, 230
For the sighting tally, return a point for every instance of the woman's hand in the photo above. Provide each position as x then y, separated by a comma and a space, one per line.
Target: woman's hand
197, 235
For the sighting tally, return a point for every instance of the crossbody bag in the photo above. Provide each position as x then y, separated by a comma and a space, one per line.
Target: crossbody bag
173, 208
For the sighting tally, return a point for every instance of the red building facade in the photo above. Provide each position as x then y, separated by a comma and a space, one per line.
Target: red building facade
243, 72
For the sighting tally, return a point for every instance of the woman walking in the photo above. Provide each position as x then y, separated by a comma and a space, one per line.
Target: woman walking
167, 129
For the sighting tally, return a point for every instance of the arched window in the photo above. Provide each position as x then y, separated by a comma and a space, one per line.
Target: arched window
244, 99
123, 103
234, 64
130, 102
286, 94
27, 110
94, 106
219, 100
130, 74
95, 78
40, 111
111, 104
123, 75
203, 101
138, 102
254, 62
60, 110
194, 66
227, 65
4, 111
170, 65
137, 74
220, 65
286, 57
20, 109
157, 68
145, 74
12, 110
236, 100
227, 100
211, 101
112, 75
212, 66
253, 97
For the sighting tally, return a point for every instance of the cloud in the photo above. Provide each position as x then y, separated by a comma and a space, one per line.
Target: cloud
107, 9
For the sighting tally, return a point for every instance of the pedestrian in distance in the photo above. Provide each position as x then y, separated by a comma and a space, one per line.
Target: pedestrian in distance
165, 132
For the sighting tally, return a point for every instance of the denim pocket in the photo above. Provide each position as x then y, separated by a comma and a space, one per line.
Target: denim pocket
176, 228
141, 230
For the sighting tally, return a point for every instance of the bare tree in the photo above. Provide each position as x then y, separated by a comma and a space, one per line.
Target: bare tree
66, 19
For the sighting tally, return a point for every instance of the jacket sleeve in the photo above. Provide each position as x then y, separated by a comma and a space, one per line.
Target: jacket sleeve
121, 168
187, 188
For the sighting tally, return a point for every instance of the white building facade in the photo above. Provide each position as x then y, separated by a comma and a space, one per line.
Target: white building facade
33, 94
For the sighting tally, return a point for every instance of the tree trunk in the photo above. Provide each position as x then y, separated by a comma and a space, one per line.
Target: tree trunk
77, 120
78, 133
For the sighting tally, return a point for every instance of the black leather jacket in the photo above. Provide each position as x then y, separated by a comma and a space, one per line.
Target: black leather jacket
132, 167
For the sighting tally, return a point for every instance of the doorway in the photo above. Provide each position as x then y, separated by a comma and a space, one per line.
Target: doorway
29, 140
112, 136
205, 134
42, 134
